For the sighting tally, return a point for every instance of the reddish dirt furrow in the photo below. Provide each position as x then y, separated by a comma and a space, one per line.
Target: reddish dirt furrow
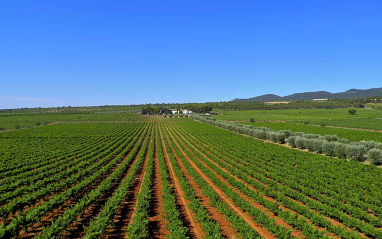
248, 219
46, 198
157, 221
217, 216
55, 213
195, 230
333, 221
279, 221
126, 211
295, 233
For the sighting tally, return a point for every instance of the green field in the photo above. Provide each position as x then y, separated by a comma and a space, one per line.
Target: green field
27, 120
352, 135
156, 177
364, 118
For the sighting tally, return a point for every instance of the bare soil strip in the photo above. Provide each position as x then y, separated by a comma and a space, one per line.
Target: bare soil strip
248, 219
206, 148
124, 214
75, 228
279, 221
195, 230
157, 221
333, 221
217, 216
47, 197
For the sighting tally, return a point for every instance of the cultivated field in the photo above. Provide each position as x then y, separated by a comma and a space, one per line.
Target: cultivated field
155, 177
364, 118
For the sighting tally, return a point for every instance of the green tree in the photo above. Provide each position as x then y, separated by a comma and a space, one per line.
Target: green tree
352, 111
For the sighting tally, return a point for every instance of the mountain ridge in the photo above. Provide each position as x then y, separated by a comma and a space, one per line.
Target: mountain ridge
351, 93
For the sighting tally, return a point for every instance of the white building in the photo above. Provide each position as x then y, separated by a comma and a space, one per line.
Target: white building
187, 112
320, 99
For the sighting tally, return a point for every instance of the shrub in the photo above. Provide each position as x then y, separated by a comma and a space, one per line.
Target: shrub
311, 136
355, 152
352, 111
38, 123
368, 144
271, 136
343, 140
339, 150
17, 126
280, 137
299, 142
308, 144
260, 134
328, 148
378, 146
292, 141
375, 156
317, 145
251, 120
250, 132
286, 133
264, 129
331, 137
298, 134
306, 122
321, 138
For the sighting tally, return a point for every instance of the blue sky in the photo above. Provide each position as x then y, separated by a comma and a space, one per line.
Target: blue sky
91, 52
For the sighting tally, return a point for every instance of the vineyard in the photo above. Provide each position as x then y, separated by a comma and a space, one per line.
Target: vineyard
156, 177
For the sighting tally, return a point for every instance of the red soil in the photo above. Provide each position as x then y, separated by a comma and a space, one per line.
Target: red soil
248, 219
195, 230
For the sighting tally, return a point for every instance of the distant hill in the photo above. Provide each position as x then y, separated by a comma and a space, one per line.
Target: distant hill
352, 93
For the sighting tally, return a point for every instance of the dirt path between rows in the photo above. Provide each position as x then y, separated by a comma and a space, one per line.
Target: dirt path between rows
206, 148
333, 221
225, 226
77, 229
278, 220
47, 219
248, 219
126, 211
195, 230
157, 222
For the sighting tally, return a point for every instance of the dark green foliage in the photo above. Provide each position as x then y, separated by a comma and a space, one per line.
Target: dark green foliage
328, 148
317, 145
299, 141
331, 137
339, 150
375, 156
356, 152
292, 141
352, 111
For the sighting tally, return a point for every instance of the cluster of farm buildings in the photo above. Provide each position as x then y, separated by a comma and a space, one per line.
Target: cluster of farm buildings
186, 112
